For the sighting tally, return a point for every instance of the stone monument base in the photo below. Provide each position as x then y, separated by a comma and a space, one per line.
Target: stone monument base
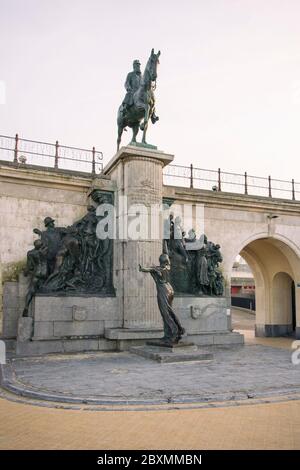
173, 347
181, 352
206, 320
217, 338
70, 323
125, 338
64, 324
64, 345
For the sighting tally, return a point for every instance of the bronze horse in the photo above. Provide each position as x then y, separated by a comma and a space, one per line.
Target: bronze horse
143, 104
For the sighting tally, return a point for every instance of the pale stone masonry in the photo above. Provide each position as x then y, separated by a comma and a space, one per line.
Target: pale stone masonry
138, 176
265, 231
27, 196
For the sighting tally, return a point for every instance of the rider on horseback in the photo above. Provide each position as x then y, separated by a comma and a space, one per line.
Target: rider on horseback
132, 84
138, 106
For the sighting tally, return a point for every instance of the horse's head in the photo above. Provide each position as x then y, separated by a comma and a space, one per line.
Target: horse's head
151, 66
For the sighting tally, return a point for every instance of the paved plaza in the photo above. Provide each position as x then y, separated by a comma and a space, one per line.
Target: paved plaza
260, 370
246, 398
239, 373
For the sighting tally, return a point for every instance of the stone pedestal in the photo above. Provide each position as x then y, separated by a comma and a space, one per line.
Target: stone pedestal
57, 317
139, 177
25, 327
178, 353
205, 320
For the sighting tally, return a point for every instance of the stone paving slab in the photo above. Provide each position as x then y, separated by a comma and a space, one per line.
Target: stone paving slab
251, 371
162, 354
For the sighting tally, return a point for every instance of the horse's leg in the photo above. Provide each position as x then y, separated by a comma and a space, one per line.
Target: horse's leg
135, 130
120, 131
145, 124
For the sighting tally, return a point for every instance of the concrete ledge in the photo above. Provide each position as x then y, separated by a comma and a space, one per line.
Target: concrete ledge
225, 338
38, 348
163, 355
127, 339
131, 334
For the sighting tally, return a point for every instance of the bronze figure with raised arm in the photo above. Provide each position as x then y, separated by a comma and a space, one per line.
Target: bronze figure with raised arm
173, 330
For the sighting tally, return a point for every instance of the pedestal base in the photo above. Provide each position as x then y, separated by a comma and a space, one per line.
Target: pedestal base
143, 146
173, 347
127, 338
25, 326
162, 354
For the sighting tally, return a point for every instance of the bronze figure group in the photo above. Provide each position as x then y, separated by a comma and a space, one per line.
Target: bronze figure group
70, 259
195, 263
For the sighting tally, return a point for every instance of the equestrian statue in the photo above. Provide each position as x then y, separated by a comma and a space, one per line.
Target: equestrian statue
138, 105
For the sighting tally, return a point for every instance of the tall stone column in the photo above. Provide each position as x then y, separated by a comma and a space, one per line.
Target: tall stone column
138, 173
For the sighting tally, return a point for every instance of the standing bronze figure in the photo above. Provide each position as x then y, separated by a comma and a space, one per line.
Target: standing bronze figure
139, 103
173, 331
37, 269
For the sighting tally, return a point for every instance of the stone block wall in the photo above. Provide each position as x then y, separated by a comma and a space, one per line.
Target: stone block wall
202, 314
57, 317
27, 196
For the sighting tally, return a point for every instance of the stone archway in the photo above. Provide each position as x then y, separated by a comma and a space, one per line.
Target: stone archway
282, 302
276, 268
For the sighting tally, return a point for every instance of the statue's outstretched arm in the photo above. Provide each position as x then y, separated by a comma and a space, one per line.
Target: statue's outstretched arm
145, 270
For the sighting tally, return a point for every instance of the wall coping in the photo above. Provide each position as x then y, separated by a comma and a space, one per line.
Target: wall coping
45, 177
232, 201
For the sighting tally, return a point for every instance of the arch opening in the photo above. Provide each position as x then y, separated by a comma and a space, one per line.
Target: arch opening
242, 296
275, 267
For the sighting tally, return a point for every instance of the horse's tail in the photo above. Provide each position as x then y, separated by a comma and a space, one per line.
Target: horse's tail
120, 117
121, 125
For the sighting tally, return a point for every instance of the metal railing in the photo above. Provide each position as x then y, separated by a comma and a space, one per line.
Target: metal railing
23, 152
217, 180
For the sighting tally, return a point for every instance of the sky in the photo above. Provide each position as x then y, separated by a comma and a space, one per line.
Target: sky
228, 87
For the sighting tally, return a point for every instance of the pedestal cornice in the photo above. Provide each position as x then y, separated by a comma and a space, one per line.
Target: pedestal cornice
132, 152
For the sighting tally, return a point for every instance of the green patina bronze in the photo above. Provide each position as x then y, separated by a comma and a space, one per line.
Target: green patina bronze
138, 105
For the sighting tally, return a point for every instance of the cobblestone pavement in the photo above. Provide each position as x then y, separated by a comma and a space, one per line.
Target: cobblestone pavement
263, 367
242, 372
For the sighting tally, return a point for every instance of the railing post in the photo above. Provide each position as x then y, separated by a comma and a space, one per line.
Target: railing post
93, 163
219, 179
270, 187
56, 155
16, 149
246, 183
191, 178
293, 189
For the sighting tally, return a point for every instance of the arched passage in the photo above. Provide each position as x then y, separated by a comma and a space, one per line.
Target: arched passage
283, 300
276, 269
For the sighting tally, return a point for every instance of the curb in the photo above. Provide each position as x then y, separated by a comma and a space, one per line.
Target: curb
8, 383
